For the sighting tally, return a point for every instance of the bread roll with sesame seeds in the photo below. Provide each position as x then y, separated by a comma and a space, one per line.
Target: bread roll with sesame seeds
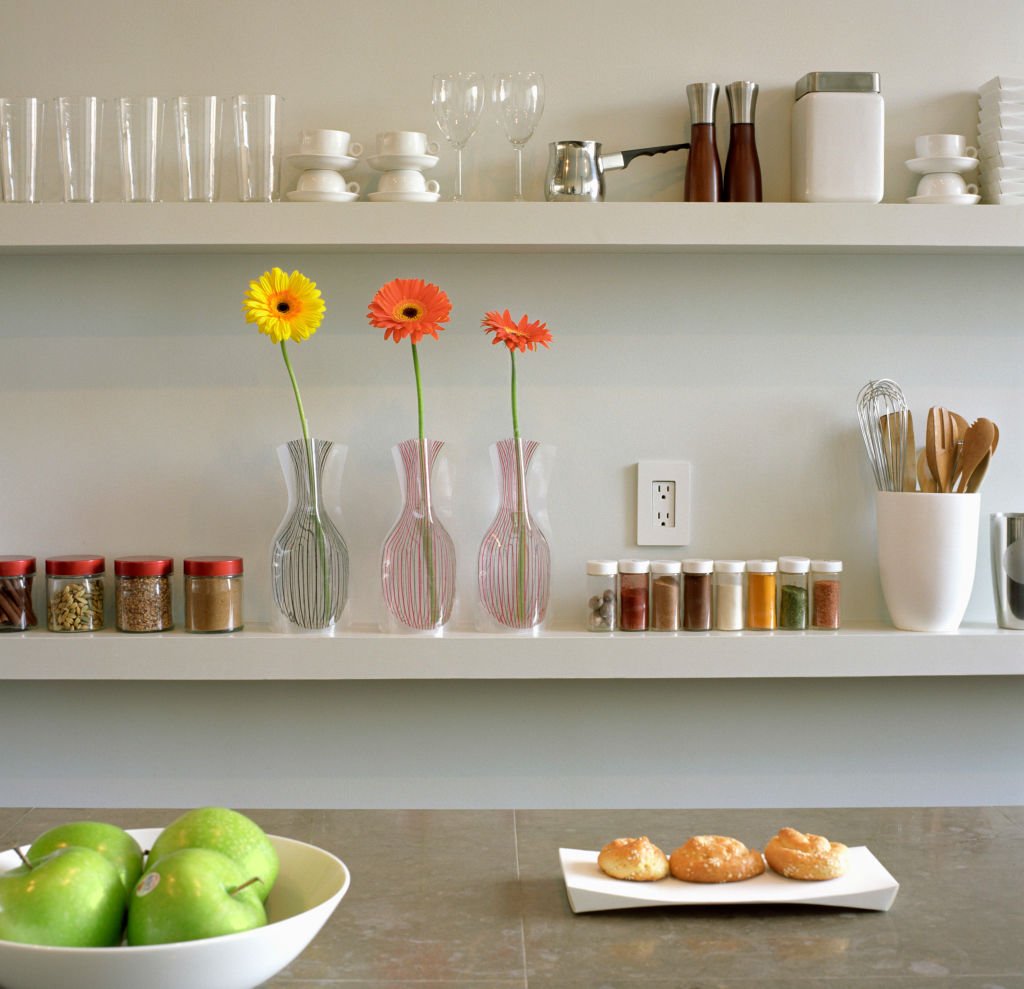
796, 855
636, 859
714, 858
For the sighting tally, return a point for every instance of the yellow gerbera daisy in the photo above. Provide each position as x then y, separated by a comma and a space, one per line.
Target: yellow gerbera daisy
285, 307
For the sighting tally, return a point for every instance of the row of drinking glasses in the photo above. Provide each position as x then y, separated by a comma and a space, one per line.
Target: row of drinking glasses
518, 102
139, 122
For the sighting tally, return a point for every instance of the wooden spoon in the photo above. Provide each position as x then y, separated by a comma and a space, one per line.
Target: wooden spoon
924, 478
978, 475
977, 446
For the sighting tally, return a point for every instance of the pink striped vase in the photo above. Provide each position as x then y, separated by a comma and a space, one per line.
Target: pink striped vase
514, 563
417, 565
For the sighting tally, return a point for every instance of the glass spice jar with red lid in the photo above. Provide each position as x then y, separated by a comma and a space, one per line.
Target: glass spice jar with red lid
213, 593
143, 593
74, 593
16, 575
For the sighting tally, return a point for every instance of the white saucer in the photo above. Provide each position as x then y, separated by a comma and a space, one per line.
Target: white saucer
337, 163
322, 197
405, 197
926, 166
964, 200
390, 163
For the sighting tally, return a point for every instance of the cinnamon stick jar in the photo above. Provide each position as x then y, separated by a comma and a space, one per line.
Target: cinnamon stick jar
16, 574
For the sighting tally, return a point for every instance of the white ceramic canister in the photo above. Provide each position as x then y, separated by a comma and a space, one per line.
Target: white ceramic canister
838, 138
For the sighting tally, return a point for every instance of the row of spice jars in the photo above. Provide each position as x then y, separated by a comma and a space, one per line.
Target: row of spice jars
143, 603
792, 593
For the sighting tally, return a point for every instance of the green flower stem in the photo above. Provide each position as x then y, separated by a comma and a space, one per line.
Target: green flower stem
521, 519
314, 501
427, 520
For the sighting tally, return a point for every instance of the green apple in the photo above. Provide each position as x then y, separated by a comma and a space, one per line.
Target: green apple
109, 840
72, 897
226, 831
191, 894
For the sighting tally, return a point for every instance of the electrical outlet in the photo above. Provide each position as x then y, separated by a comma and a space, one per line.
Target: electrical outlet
662, 503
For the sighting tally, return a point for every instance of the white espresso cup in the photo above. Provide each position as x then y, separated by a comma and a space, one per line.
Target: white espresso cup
405, 142
320, 141
944, 146
945, 184
406, 180
325, 180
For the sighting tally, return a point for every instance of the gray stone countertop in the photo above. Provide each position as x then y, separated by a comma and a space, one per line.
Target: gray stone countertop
475, 898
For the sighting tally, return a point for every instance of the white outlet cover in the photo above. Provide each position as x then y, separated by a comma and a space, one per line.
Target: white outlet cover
648, 474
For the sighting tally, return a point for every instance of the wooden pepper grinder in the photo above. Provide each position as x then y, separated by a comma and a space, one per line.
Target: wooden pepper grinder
742, 167
703, 181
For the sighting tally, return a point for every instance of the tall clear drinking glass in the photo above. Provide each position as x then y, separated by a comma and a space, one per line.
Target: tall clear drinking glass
458, 99
79, 131
21, 127
139, 129
518, 100
258, 145
197, 122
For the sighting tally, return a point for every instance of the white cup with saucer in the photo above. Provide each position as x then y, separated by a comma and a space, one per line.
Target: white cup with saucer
325, 180
335, 143
405, 142
945, 184
944, 146
405, 180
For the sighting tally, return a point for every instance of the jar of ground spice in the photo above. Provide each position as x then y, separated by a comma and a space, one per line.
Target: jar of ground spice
213, 593
793, 600
729, 594
665, 595
74, 593
697, 594
16, 575
761, 594
634, 577
602, 599
826, 577
144, 593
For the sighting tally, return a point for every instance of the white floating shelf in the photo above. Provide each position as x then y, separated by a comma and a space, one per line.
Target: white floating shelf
259, 654
58, 228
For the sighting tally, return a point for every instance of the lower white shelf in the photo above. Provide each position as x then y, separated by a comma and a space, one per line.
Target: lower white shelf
260, 654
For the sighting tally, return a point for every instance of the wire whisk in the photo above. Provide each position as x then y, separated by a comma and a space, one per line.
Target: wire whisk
882, 411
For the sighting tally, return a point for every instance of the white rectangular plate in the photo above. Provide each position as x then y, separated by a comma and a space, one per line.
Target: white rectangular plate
867, 885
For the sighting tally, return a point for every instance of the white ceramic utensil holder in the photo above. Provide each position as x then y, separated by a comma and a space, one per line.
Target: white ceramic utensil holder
927, 550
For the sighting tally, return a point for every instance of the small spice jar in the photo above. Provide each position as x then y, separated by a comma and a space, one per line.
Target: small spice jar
665, 595
634, 576
826, 585
144, 593
16, 575
213, 593
602, 602
761, 594
793, 601
697, 594
729, 594
74, 593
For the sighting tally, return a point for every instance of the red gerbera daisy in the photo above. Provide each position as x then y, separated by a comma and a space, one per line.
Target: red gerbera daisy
520, 336
409, 307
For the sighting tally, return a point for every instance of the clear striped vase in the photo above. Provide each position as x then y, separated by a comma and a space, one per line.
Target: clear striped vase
514, 562
417, 566
309, 558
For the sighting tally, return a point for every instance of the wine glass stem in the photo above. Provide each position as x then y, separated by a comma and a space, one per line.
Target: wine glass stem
517, 182
457, 195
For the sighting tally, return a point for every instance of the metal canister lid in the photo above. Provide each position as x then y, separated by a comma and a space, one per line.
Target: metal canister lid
839, 82
213, 566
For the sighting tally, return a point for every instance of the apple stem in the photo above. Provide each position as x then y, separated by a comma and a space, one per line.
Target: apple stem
238, 889
21, 855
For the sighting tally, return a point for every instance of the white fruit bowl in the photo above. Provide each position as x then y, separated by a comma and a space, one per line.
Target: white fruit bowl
309, 886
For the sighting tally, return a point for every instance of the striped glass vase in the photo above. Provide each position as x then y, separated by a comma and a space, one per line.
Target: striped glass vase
515, 560
309, 558
417, 566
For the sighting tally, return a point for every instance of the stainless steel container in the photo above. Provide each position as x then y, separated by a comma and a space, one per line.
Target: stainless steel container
1008, 568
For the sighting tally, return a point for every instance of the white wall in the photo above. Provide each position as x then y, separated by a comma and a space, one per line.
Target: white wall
147, 411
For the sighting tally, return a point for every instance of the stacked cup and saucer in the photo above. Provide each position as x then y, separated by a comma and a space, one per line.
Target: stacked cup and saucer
942, 160
402, 156
322, 157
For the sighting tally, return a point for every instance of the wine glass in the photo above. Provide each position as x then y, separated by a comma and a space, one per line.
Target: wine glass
518, 99
458, 100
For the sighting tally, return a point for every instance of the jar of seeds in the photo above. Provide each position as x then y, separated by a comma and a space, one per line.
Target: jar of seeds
16, 573
74, 593
144, 593
602, 605
213, 593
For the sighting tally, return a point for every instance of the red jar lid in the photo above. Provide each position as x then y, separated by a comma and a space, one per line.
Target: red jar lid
143, 566
17, 566
75, 566
213, 566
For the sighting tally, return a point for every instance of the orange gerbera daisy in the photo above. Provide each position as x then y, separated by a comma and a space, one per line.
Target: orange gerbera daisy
520, 336
409, 307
